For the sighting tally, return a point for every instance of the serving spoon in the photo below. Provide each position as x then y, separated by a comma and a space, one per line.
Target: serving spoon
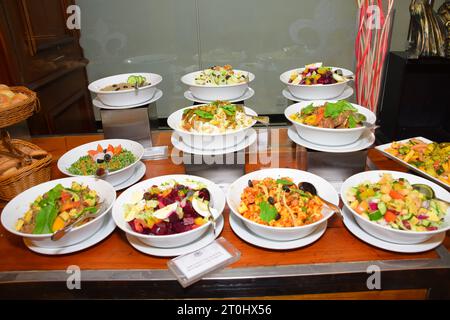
309, 187
62, 232
428, 192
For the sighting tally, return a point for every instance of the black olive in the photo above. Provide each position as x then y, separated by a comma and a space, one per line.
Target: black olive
286, 188
147, 196
250, 183
107, 157
307, 187
100, 160
271, 200
278, 217
100, 172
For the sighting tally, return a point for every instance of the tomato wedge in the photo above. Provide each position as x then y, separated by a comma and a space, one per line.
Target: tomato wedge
396, 195
389, 216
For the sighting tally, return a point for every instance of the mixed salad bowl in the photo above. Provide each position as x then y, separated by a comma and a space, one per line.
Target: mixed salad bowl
215, 126
113, 159
331, 123
169, 211
37, 213
316, 81
397, 207
218, 83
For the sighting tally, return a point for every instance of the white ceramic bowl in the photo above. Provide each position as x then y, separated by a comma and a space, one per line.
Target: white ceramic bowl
325, 136
212, 92
324, 190
386, 233
116, 177
124, 98
208, 141
174, 240
17, 207
317, 91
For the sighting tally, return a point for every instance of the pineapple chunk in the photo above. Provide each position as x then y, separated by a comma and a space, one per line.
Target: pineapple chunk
19, 224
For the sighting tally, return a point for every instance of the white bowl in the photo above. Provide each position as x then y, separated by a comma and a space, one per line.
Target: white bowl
116, 177
174, 240
129, 97
18, 206
325, 136
208, 141
324, 190
384, 232
317, 91
212, 92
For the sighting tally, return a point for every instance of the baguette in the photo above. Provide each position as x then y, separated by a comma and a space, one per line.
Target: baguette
8, 165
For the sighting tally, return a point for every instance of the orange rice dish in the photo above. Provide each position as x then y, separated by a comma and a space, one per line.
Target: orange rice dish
279, 203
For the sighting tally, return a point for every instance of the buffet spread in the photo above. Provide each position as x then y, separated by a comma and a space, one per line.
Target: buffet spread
271, 208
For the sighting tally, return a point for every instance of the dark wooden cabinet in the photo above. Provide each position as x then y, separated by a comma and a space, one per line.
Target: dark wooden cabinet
37, 50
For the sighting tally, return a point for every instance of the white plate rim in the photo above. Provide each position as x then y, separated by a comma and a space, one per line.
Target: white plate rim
385, 146
248, 236
139, 172
249, 93
353, 147
344, 95
358, 232
98, 104
250, 139
206, 239
105, 230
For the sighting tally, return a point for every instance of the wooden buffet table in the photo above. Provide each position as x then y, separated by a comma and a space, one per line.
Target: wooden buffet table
334, 266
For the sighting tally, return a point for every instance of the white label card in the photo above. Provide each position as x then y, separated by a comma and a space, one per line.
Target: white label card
203, 260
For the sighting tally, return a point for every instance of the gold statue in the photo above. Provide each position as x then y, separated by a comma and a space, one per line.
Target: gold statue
444, 14
426, 36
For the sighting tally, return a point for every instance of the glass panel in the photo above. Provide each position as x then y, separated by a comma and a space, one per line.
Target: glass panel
269, 37
142, 36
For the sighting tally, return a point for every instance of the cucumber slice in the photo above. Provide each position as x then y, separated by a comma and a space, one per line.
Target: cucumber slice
407, 216
382, 207
426, 223
375, 216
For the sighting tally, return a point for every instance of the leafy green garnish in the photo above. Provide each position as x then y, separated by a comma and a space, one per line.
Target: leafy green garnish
302, 193
285, 182
333, 110
204, 114
267, 211
351, 122
229, 109
308, 110
47, 215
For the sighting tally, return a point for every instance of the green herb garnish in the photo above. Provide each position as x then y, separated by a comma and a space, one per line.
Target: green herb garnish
333, 110
204, 114
229, 109
308, 110
285, 182
47, 215
351, 122
267, 211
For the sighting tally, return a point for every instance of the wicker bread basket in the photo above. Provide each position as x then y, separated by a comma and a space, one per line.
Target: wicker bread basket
20, 111
26, 177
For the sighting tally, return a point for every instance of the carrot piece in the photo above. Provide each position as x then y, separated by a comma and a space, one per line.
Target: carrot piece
65, 196
110, 148
69, 205
118, 149
99, 148
389, 216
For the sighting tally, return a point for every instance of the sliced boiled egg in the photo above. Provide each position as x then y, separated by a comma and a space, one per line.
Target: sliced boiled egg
201, 207
136, 197
165, 212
